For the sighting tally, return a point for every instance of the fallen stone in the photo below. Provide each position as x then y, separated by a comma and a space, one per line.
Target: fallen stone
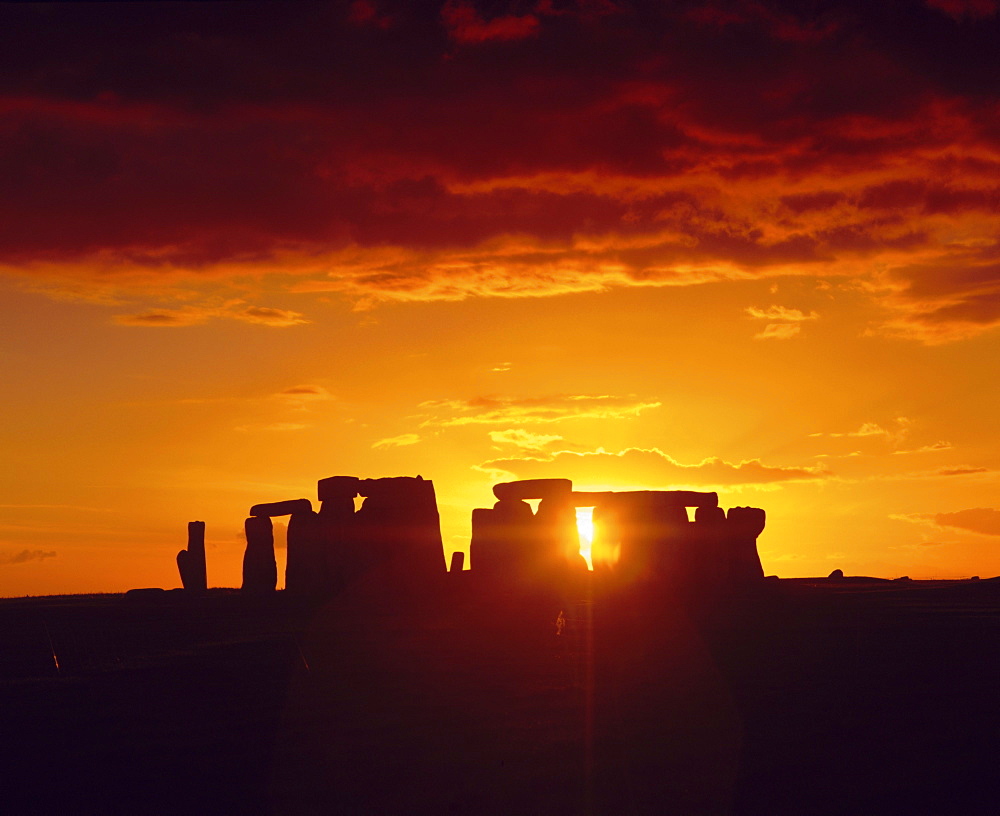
282, 508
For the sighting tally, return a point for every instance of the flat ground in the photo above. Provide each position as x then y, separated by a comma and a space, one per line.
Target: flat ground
809, 697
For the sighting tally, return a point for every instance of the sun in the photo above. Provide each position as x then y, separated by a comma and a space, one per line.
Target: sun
585, 527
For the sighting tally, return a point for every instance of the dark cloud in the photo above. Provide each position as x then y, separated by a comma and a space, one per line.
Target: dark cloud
440, 150
27, 555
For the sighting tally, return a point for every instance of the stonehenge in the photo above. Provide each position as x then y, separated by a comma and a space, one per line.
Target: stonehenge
394, 537
640, 535
386, 532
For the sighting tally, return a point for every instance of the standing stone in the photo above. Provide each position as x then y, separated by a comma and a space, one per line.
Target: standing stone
745, 524
400, 531
260, 570
699, 575
191, 562
503, 541
306, 567
342, 552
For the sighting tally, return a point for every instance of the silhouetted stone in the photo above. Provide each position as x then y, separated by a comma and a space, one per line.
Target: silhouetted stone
707, 563
343, 553
457, 561
515, 548
260, 570
191, 562
282, 508
837, 573
146, 593
502, 541
306, 567
533, 489
399, 531
641, 534
558, 537
337, 487
744, 525
677, 498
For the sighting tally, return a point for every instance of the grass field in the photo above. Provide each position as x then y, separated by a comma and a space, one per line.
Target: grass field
809, 697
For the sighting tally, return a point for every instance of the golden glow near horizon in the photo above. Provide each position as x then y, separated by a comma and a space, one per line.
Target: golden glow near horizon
613, 267
585, 528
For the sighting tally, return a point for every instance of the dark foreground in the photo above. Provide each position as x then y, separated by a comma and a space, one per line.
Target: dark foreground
809, 698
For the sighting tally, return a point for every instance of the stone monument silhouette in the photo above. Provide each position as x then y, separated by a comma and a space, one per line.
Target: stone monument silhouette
394, 538
191, 561
638, 536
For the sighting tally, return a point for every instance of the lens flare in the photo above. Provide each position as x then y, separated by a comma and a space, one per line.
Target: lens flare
585, 527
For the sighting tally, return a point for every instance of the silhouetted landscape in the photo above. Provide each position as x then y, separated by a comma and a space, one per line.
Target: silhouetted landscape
519, 686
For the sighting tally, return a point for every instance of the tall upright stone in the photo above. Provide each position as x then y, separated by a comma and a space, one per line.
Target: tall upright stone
260, 570
343, 552
306, 566
744, 525
503, 540
400, 531
191, 561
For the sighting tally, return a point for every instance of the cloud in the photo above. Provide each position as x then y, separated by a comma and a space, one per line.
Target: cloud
302, 397
961, 470
27, 555
959, 9
305, 392
873, 429
934, 447
781, 313
523, 439
982, 520
270, 317
489, 410
197, 315
384, 151
648, 468
464, 24
778, 331
273, 427
169, 318
791, 325
397, 441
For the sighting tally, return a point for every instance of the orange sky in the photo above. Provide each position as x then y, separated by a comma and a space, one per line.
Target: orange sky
749, 247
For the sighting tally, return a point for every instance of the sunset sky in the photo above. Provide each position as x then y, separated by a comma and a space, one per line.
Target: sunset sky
746, 246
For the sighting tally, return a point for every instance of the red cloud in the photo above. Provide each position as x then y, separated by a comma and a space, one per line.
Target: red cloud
179, 145
466, 26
